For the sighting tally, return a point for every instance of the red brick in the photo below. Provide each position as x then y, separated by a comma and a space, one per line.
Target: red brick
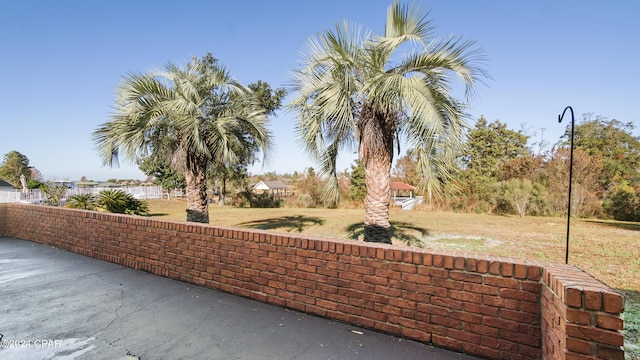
579, 346
483, 351
520, 338
427, 259
412, 334
578, 316
613, 302
465, 296
432, 309
480, 289
481, 309
466, 336
506, 346
407, 256
459, 262
494, 266
610, 353
447, 343
446, 302
471, 264
519, 316
402, 303
502, 282
519, 295
482, 266
593, 299
609, 322
520, 270
507, 269
466, 317
465, 277
418, 279
573, 297
395, 329
602, 336
446, 322
403, 268
501, 324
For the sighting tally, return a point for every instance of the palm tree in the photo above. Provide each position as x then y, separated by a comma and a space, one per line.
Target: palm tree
370, 90
190, 118
82, 201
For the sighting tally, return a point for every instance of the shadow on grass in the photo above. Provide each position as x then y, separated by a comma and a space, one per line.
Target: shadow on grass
626, 225
401, 231
290, 223
157, 215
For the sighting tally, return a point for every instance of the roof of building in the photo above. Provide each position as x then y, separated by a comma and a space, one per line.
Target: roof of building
270, 185
398, 185
6, 184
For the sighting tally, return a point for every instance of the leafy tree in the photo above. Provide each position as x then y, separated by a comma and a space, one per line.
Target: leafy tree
53, 193
310, 189
354, 88
357, 188
163, 174
519, 192
270, 100
492, 153
624, 203
230, 176
13, 166
491, 144
586, 190
234, 172
613, 142
191, 118
406, 168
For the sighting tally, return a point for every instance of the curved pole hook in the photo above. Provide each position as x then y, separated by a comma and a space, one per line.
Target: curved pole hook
560, 117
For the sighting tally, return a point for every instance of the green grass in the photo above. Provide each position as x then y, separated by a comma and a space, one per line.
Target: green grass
608, 250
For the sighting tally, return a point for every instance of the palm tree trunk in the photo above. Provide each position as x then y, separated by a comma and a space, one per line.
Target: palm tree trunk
377, 149
376, 221
196, 191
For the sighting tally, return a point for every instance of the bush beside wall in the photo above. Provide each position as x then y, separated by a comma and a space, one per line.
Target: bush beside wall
491, 307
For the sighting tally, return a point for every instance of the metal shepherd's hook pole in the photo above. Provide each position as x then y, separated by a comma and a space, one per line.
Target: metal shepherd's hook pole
570, 176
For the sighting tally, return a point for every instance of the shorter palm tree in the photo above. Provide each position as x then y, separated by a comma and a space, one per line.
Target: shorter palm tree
82, 201
117, 201
190, 118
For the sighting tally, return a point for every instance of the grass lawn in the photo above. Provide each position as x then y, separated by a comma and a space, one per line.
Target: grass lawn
608, 250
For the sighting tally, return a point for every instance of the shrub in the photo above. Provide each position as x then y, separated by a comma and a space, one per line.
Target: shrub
117, 201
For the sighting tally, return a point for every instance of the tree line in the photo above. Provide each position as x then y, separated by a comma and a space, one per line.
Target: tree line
501, 171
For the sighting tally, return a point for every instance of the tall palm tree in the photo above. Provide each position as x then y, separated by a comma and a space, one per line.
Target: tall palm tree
190, 118
355, 88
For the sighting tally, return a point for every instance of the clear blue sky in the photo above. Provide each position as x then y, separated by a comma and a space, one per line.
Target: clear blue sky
61, 61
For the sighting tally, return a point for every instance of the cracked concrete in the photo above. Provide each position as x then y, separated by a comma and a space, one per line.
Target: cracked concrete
59, 305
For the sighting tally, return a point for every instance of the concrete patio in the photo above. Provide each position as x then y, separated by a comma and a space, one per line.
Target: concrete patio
60, 305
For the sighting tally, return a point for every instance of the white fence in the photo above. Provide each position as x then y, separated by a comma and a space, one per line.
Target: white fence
36, 197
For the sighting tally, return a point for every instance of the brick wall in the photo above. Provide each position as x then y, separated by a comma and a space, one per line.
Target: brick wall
497, 308
3, 219
580, 316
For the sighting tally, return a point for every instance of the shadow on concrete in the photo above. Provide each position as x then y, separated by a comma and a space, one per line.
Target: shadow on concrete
289, 223
402, 231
